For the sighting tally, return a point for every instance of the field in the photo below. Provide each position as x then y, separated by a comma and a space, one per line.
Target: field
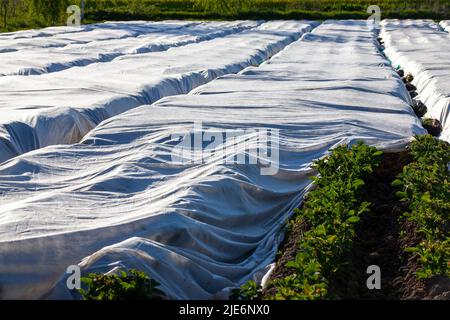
25, 15
106, 141
231, 150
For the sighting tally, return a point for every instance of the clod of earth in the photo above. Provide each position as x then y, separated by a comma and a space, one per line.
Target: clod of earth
420, 109
411, 87
439, 286
433, 126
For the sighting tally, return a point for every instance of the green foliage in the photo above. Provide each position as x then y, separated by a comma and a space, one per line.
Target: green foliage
231, 7
428, 149
345, 164
425, 186
307, 281
135, 285
332, 210
52, 11
248, 291
9, 9
427, 121
434, 256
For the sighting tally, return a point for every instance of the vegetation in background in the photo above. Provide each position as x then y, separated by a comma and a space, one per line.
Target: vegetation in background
223, 6
134, 285
22, 14
50, 11
425, 186
36, 13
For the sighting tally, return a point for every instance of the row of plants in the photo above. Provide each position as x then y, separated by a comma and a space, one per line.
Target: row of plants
131, 285
425, 186
332, 211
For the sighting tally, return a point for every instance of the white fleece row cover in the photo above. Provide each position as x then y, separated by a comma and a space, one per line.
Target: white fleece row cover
58, 37
62, 107
120, 200
422, 48
51, 31
156, 37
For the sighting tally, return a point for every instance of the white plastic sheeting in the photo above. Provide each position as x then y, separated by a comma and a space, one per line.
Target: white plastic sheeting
422, 48
61, 107
155, 37
51, 31
119, 200
446, 25
58, 37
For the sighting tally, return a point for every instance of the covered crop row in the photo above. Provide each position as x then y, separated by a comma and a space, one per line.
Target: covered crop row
61, 107
332, 212
120, 199
61, 37
422, 48
153, 37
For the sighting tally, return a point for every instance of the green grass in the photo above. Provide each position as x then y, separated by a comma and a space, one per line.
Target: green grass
100, 10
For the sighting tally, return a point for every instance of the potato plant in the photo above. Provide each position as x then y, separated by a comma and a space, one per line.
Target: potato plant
132, 285
332, 210
425, 186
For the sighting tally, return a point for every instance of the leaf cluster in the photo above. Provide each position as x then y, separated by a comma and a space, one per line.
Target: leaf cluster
333, 210
424, 185
134, 285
